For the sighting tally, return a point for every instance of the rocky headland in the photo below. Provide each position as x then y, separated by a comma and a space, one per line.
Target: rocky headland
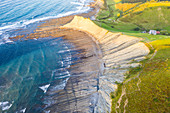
118, 53
104, 59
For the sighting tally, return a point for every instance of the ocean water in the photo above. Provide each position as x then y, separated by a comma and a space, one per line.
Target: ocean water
28, 68
16, 14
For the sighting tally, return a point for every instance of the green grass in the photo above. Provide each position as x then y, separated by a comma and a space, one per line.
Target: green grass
147, 37
109, 12
156, 18
154, 93
115, 96
150, 18
167, 28
127, 29
116, 27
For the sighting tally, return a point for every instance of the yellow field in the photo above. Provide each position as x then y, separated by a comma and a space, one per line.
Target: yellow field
151, 4
161, 44
125, 6
116, 1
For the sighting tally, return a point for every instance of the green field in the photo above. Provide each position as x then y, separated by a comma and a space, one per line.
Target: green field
154, 18
127, 29
151, 18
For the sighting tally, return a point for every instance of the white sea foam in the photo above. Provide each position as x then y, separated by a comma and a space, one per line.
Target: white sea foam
34, 38
1, 32
5, 105
23, 23
20, 24
61, 71
23, 110
63, 51
63, 75
5, 39
62, 63
44, 88
60, 86
67, 59
53, 73
77, 3
47, 111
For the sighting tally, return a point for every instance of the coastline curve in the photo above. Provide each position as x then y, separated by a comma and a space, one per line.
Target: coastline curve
118, 50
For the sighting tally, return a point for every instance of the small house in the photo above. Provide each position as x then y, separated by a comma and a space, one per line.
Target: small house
152, 32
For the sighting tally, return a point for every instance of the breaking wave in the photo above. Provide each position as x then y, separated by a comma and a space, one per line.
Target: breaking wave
30, 15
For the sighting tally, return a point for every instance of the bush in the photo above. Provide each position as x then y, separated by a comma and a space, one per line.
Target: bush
137, 29
165, 32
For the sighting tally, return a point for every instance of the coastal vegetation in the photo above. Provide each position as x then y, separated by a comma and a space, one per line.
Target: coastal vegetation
146, 87
128, 8
139, 16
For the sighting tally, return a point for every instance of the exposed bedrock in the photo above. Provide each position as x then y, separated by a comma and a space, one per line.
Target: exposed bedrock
119, 51
104, 59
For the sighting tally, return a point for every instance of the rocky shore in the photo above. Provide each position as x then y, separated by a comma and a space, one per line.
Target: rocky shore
118, 54
81, 91
104, 58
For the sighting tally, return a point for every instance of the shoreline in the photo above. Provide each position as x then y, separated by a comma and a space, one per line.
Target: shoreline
105, 58
80, 93
119, 52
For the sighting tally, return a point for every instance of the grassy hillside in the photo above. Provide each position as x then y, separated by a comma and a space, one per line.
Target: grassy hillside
128, 8
150, 18
139, 15
146, 88
128, 29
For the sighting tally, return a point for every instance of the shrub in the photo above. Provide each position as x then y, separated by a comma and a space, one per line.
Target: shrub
137, 29
165, 32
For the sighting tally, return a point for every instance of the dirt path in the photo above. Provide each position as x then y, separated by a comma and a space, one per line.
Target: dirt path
124, 88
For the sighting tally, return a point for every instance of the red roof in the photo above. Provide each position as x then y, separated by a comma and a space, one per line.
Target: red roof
158, 32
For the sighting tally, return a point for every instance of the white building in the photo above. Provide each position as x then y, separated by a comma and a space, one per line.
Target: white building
152, 32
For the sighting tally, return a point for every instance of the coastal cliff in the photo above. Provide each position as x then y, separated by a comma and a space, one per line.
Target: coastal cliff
105, 57
94, 66
118, 53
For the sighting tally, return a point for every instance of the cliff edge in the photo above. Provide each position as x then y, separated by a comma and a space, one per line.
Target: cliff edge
118, 54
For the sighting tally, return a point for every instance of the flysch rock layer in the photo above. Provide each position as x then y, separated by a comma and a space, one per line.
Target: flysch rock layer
118, 52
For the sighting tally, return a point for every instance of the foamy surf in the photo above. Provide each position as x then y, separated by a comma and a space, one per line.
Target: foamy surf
47, 111
59, 86
79, 6
5, 105
23, 110
63, 51
5, 39
45, 88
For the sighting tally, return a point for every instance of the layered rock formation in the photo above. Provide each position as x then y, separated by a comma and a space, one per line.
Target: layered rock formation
119, 51
104, 59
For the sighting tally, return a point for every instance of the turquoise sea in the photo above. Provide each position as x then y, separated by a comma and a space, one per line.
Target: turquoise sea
29, 68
